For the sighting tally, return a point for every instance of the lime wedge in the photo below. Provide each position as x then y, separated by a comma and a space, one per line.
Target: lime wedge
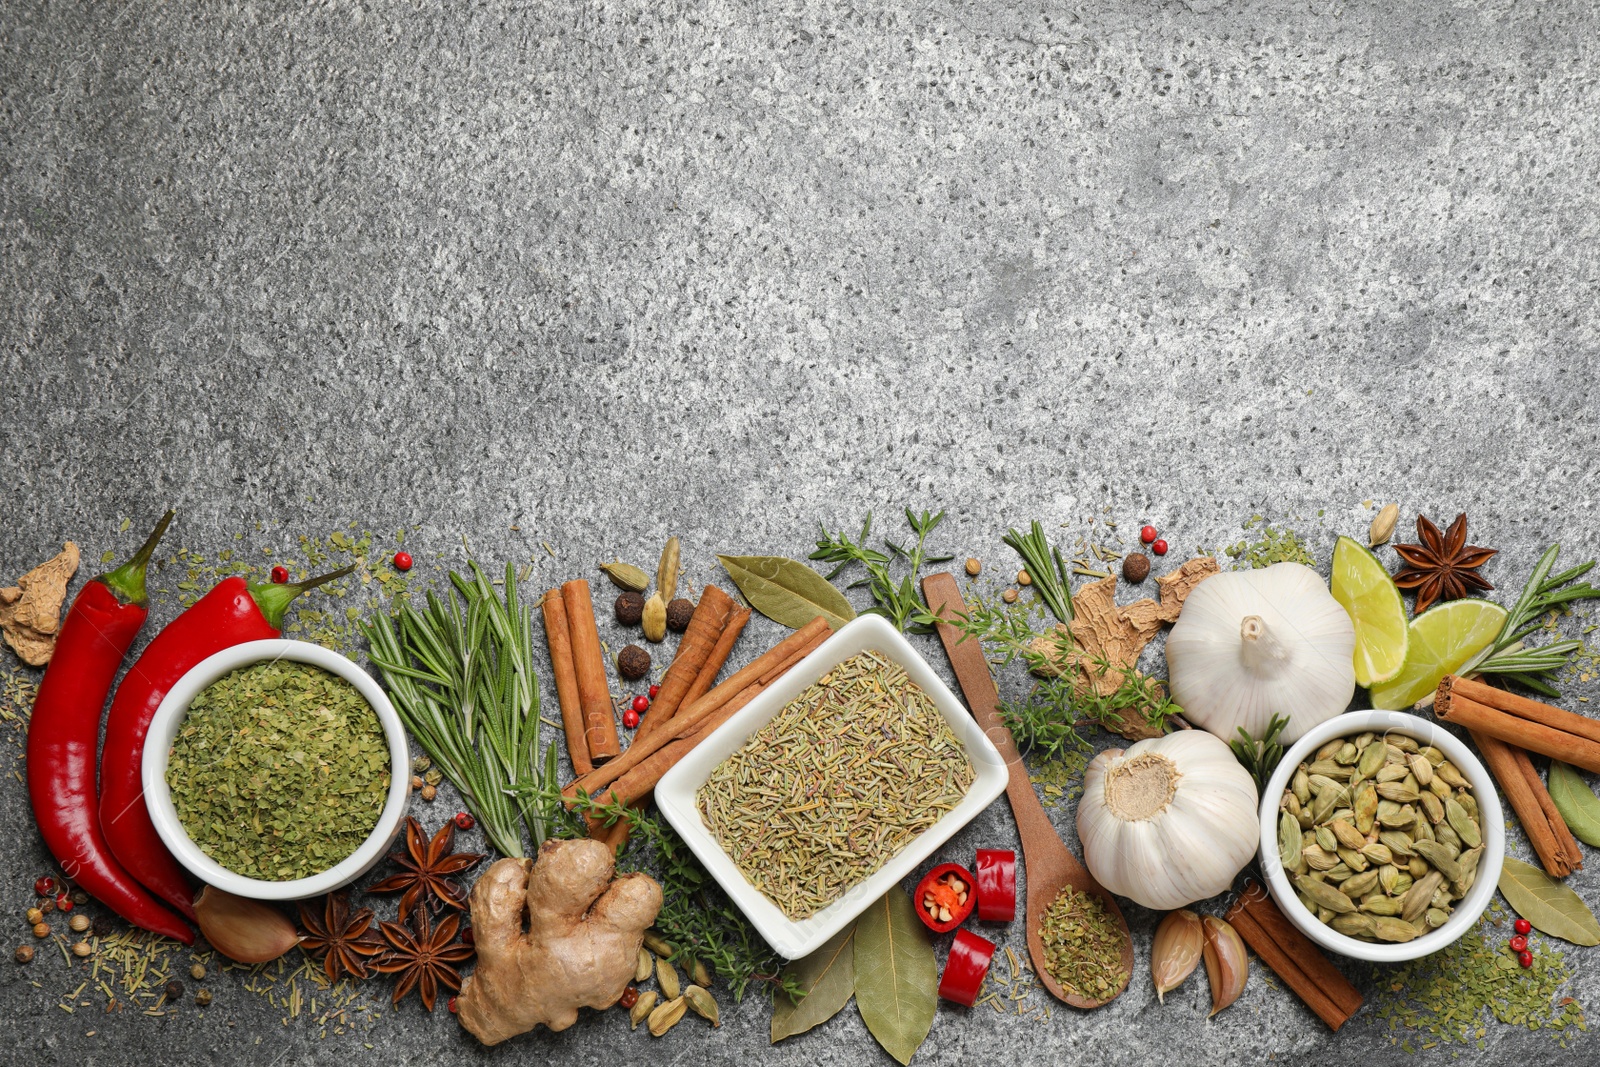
1442, 640
1363, 587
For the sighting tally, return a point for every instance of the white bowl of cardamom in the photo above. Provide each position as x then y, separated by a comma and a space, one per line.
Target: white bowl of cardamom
276, 770
1415, 828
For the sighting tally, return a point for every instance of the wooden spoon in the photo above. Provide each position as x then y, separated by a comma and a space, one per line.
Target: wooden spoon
1049, 864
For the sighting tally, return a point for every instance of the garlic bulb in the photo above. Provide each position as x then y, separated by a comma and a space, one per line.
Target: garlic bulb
1169, 821
1253, 644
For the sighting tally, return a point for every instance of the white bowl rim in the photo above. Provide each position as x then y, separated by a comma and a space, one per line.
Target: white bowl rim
164, 726
675, 792
1490, 818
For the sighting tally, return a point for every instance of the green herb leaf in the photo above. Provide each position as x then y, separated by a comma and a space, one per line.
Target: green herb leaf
827, 977
787, 591
896, 980
1576, 802
1550, 906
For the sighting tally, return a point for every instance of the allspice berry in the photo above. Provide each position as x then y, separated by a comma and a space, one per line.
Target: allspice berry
174, 989
633, 663
1136, 566
679, 612
630, 608
973, 566
24, 954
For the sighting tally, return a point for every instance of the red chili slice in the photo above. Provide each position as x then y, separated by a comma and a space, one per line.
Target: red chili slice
957, 895
997, 885
964, 970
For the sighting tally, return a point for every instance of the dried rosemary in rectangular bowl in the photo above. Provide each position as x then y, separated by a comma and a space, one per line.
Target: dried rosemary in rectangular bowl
846, 775
279, 771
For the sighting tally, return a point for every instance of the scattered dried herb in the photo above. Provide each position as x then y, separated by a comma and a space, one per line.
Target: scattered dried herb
429, 866
279, 771
847, 774
1448, 997
1275, 545
1443, 566
426, 957
1082, 944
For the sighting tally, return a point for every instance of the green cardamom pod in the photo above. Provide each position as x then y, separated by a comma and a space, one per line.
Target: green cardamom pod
703, 1003
1432, 755
1388, 875
1378, 853
1432, 808
626, 576
1382, 906
1468, 862
1354, 924
1462, 823
666, 1016
1402, 884
1398, 930
1326, 839
1366, 807
1440, 788
1418, 867
644, 966
654, 619
1347, 754
1327, 750
1289, 843
1324, 896
1301, 787
1391, 772
667, 979
1451, 776
1436, 917
1353, 859
1419, 897
1440, 858
1421, 768
1371, 761
1360, 885
667, 571
701, 974
1348, 835
1319, 860
641, 1008
1398, 792
658, 944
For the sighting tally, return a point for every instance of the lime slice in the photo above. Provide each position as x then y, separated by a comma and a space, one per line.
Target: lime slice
1365, 590
1442, 640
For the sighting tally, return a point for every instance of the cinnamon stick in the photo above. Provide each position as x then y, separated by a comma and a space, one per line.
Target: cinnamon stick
1293, 957
1520, 784
692, 716
560, 642
1523, 707
588, 662
637, 783
1567, 742
700, 639
719, 656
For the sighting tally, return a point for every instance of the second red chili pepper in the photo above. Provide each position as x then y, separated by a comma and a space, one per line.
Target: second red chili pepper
997, 884
232, 613
964, 970
104, 619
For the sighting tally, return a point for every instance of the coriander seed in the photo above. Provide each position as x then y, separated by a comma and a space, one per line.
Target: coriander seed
35, 916
1009, 596
79, 923
82, 949
202, 997
197, 972
79, 897
41, 929
429, 792
974, 567
1023, 578
24, 954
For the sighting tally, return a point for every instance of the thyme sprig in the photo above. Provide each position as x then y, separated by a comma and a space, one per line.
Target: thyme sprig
460, 674
1544, 592
1050, 720
896, 599
1260, 757
696, 916
1047, 568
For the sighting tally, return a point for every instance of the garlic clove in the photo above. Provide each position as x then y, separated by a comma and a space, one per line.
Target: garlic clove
1227, 965
245, 931
1175, 953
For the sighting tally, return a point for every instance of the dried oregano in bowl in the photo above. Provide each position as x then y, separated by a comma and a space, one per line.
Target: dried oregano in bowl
279, 770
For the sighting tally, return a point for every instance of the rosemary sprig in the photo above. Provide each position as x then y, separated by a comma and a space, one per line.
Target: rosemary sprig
460, 673
1530, 667
696, 917
895, 599
1046, 567
1261, 757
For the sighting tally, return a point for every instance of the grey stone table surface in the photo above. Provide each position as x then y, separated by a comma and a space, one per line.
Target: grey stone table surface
597, 273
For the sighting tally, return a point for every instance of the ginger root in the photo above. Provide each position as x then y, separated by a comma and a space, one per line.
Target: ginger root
582, 941
30, 611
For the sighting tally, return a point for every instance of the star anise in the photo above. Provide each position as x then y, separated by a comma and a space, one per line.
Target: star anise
425, 958
1443, 566
345, 940
427, 869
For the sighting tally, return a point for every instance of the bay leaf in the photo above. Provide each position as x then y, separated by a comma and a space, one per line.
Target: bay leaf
896, 979
1576, 802
827, 977
787, 591
1551, 907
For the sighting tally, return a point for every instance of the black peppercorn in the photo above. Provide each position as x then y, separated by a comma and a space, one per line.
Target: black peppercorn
630, 609
174, 989
1136, 566
102, 926
679, 612
633, 662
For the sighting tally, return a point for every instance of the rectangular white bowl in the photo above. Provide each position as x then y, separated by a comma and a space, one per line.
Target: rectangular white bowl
675, 793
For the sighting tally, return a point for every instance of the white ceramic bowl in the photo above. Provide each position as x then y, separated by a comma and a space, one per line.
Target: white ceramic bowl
164, 727
1490, 822
675, 793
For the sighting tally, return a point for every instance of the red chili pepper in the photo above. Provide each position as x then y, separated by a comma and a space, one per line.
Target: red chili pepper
964, 970
956, 895
65, 728
997, 885
232, 613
